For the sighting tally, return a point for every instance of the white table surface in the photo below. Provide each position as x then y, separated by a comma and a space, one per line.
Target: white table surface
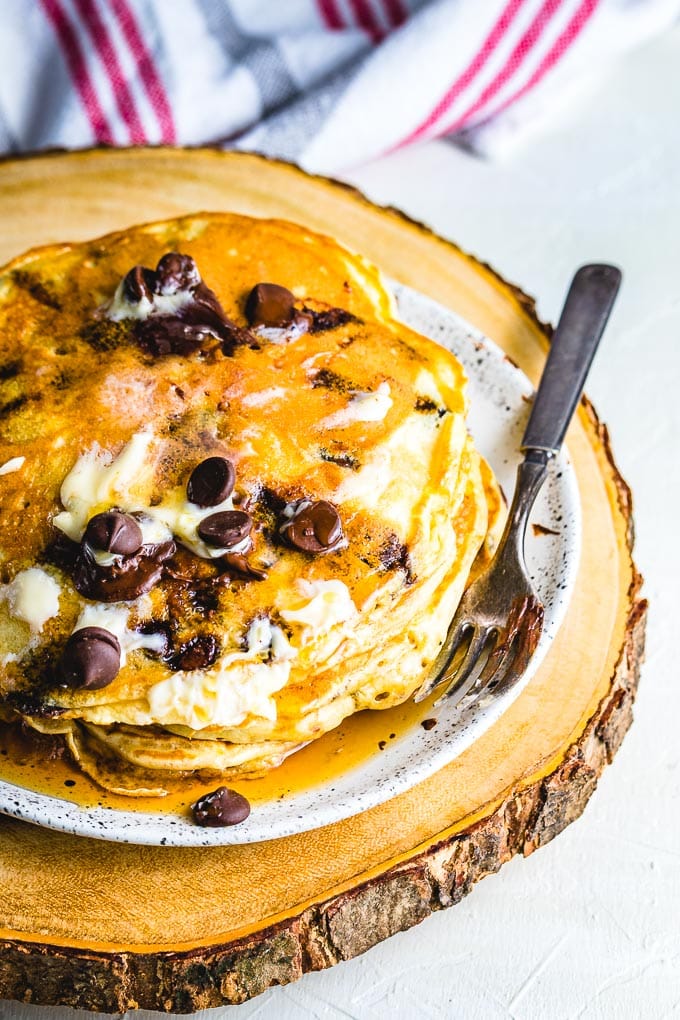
589, 926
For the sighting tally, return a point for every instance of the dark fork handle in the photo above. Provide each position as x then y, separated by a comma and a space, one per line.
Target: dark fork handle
573, 347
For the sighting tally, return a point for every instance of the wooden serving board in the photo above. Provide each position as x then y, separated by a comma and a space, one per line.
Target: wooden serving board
109, 927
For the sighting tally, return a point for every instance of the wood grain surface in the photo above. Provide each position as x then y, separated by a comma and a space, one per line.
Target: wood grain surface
110, 927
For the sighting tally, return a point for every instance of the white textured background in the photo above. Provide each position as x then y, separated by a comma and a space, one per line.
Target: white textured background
589, 926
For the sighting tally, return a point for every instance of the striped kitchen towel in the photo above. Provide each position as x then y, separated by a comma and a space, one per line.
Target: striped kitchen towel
329, 83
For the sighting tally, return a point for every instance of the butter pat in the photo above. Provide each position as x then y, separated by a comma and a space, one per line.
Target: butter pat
98, 482
33, 596
115, 619
327, 603
162, 304
238, 685
182, 519
263, 637
362, 407
15, 464
225, 695
154, 532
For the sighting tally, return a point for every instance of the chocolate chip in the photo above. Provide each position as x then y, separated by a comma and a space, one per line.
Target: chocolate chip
341, 458
114, 532
425, 404
428, 724
269, 504
211, 482
269, 304
160, 335
162, 628
121, 581
221, 807
315, 528
189, 327
237, 563
330, 380
394, 555
234, 336
226, 528
329, 318
176, 272
61, 551
138, 284
91, 659
198, 653
184, 330
208, 310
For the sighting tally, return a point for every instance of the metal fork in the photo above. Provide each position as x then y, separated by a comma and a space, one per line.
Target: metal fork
498, 623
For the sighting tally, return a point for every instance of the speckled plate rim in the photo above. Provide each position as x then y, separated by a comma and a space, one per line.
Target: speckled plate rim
500, 395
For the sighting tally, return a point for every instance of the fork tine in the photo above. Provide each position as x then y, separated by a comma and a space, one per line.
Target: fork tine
456, 635
514, 648
497, 667
463, 678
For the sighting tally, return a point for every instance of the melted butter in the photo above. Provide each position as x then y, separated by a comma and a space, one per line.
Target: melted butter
161, 304
115, 618
15, 464
347, 747
222, 696
99, 481
327, 603
33, 597
362, 407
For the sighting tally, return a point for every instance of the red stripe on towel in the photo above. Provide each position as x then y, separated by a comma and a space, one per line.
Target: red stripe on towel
396, 12
151, 79
519, 54
366, 19
121, 92
77, 67
490, 44
555, 54
330, 14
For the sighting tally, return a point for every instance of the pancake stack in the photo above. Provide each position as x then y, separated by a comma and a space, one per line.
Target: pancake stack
239, 501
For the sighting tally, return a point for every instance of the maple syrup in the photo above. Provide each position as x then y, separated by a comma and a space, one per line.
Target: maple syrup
360, 737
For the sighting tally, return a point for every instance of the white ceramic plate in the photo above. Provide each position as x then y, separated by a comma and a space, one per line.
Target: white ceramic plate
499, 410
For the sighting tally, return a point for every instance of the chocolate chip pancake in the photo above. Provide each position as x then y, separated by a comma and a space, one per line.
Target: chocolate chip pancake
239, 499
